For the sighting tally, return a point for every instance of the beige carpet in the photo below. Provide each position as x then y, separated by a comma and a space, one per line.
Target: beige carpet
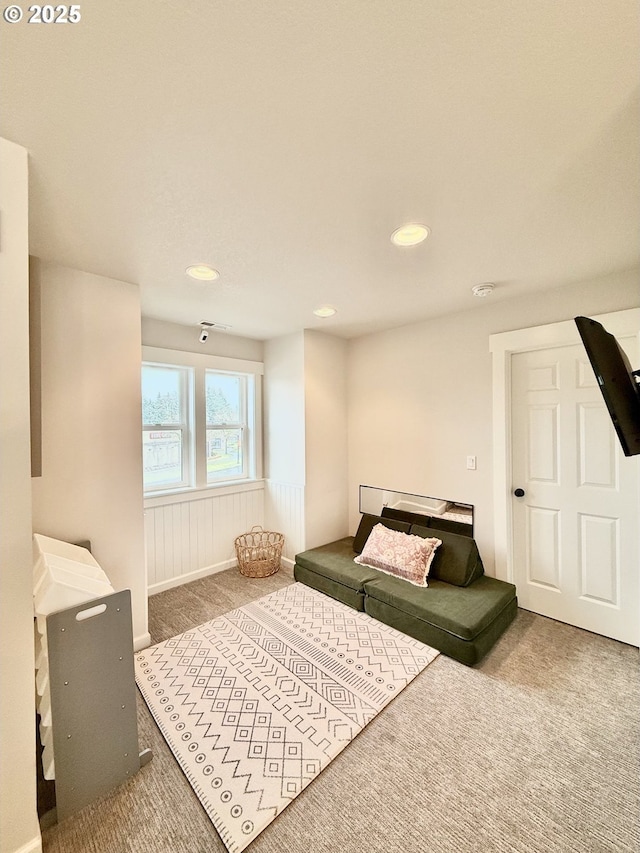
534, 750
255, 703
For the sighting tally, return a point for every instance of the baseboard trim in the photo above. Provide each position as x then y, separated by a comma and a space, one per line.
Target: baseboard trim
33, 846
178, 580
141, 642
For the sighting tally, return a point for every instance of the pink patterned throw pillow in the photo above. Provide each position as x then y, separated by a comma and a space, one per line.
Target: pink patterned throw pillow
399, 554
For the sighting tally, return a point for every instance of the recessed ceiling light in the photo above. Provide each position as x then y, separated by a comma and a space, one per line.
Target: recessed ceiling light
410, 235
203, 272
325, 311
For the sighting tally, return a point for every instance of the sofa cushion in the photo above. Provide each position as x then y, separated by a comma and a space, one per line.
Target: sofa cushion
462, 614
335, 561
399, 554
368, 522
468, 652
457, 561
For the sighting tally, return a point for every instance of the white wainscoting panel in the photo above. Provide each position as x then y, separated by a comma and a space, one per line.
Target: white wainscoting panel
190, 535
284, 512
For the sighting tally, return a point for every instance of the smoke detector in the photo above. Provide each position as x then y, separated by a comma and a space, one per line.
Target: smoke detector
484, 289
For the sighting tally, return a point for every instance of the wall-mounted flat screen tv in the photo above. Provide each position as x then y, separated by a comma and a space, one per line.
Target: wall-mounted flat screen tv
618, 382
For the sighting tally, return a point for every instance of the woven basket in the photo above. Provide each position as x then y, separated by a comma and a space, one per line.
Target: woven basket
258, 552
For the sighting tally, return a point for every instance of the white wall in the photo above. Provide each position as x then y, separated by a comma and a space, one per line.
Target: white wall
420, 397
19, 828
159, 333
305, 417
284, 453
325, 387
284, 409
91, 484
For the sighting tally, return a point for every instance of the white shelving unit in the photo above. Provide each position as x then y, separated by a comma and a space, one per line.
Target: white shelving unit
85, 684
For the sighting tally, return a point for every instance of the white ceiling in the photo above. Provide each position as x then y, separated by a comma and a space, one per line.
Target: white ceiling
284, 141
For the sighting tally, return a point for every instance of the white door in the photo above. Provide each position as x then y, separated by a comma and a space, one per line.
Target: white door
575, 529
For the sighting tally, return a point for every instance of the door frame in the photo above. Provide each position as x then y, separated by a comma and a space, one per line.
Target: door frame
503, 346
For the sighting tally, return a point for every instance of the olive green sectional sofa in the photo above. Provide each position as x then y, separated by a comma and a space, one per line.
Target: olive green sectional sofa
462, 612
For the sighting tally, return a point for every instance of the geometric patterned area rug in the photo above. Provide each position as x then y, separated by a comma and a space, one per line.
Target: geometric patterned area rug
256, 703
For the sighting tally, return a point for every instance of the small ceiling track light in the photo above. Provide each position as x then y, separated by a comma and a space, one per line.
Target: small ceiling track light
484, 289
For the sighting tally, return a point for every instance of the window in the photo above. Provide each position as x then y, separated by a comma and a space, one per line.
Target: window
225, 401
165, 426
200, 421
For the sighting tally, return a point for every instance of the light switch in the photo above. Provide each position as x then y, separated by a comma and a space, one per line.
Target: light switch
471, 463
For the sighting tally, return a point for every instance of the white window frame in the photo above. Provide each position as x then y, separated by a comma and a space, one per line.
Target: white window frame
242, 424
184, 427
199, 363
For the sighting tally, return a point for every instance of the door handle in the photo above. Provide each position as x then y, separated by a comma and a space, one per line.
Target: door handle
519, 493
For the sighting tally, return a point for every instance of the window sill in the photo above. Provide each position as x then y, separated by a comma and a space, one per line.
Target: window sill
213, 490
